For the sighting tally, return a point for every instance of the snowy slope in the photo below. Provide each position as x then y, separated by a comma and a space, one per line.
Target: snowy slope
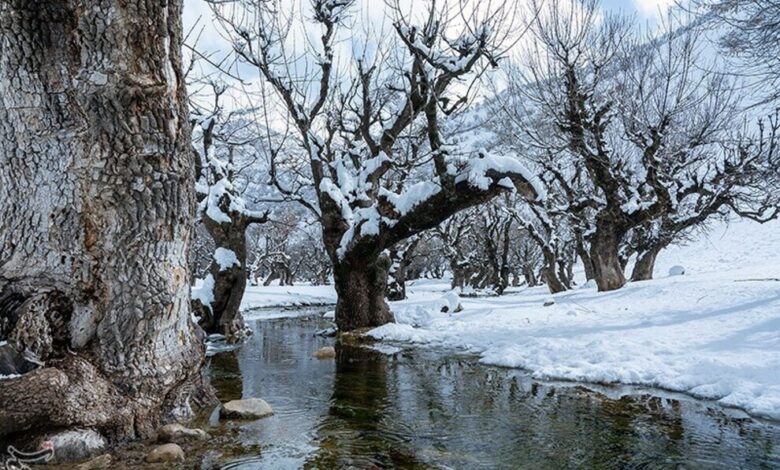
713, 333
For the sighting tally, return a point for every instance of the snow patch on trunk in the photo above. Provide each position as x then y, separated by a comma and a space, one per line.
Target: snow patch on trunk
225, 258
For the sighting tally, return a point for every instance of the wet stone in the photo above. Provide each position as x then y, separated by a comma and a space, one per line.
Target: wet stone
251, 408
166, 453
178, 433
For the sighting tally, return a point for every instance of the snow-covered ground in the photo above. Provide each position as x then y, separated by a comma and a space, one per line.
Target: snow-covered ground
713, 333
257, 297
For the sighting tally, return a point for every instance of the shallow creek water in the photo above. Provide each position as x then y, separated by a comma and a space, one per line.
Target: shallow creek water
439, 409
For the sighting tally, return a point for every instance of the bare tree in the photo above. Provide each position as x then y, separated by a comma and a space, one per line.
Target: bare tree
744, 182
645, 118
359, 128
96, 179
224, 213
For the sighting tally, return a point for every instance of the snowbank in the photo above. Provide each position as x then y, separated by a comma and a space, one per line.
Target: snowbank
713, 332
287, 296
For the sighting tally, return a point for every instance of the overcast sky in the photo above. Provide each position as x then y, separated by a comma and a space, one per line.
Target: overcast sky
210, 40
646, 11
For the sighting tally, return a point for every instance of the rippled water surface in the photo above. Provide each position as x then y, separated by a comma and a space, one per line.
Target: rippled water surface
435, 409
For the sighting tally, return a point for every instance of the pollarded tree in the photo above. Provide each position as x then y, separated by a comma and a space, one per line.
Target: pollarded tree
97, 183
745, 182
223, 212
643, 117
359, 122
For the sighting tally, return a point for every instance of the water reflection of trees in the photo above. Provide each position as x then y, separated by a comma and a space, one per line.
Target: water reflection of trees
418, 409
226, 375
357, 432
461, 414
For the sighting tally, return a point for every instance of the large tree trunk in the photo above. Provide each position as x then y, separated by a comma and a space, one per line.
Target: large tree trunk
96, 180
360, 288
645, 264
604, 253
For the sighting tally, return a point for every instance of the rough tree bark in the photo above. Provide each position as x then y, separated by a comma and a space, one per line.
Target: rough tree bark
361, 287
96, 178
604, 253
645, 264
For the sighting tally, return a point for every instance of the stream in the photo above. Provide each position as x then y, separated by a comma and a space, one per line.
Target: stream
417, 408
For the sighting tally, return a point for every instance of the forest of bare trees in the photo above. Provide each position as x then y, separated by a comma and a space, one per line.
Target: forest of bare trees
145, 188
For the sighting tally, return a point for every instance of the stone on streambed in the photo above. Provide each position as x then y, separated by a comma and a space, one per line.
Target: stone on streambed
251, 408
165, 453
98, 463
328, 352
76, 445
178, 433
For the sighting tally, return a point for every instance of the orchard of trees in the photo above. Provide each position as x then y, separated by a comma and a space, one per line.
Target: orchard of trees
145, 186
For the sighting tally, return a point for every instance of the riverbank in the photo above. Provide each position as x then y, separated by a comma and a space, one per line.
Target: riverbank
712, 333
422, 409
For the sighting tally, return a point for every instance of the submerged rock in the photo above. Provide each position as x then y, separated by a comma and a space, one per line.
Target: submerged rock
328, 352
166, 453
178, 433
251, 408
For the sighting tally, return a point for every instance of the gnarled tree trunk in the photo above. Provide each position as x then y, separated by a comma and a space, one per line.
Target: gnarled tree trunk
645, 264
551, 279
361, 285
604, 253
96, 179
227, 279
